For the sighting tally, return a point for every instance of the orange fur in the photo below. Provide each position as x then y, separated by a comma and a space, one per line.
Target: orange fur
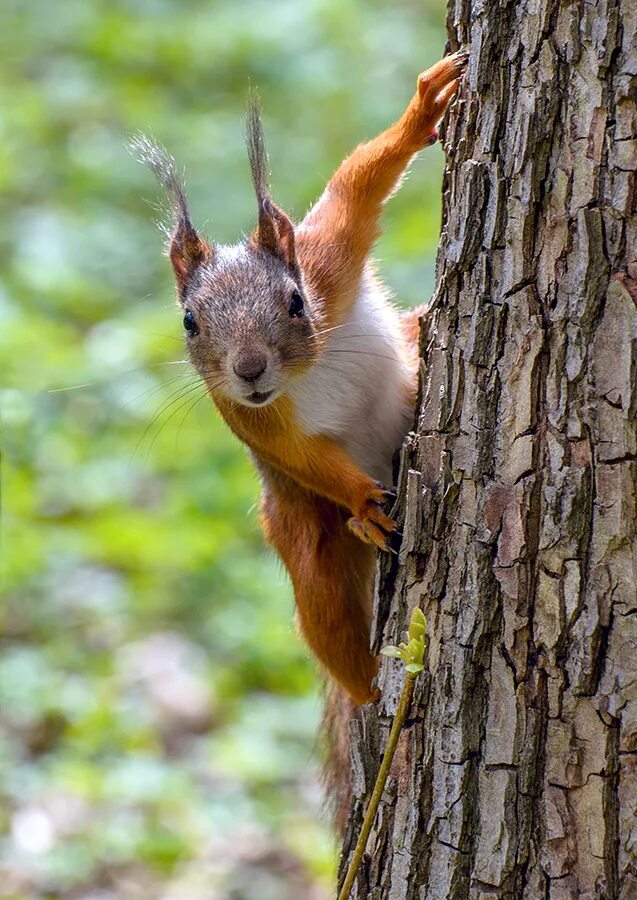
331, 572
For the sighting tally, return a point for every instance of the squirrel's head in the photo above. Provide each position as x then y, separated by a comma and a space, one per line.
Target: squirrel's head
249, 324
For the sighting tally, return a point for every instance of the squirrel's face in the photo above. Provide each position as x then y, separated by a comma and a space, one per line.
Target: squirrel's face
249, 326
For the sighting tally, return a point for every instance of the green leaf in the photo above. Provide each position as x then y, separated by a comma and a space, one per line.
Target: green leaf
414, 667
391, 651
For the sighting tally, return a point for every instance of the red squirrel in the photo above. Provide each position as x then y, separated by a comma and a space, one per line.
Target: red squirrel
313, 368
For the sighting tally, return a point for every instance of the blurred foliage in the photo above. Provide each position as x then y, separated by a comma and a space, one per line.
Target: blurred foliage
158, 710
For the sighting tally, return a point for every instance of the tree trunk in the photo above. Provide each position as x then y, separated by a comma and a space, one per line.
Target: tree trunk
516, 776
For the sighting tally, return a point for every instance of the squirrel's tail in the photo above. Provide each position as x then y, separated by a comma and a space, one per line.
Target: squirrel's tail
339, 711
410, 323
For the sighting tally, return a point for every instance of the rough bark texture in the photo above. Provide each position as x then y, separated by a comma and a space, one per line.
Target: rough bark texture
517, 774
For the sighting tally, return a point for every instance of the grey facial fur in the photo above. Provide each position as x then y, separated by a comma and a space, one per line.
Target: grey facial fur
241, 303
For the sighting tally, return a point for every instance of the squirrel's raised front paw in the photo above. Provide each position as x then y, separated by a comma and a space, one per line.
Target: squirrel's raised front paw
372, 524
437, 86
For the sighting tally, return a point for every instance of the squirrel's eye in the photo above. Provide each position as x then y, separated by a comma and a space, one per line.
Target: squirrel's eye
296, 305
190, 325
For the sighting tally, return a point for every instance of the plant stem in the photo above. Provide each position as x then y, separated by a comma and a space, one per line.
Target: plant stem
379, 786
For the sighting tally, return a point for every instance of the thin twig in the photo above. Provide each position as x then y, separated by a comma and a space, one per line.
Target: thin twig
379, 787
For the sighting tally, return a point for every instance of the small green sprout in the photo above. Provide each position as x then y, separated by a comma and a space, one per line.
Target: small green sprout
412, 649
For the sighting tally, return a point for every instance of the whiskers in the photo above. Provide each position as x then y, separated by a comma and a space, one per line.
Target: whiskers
187, 388
346, 347
101, 381
193, 387
354, 346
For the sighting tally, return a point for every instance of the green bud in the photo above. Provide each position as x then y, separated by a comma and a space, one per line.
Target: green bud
412, 649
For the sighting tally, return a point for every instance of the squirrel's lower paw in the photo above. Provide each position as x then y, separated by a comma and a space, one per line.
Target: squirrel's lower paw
372, 525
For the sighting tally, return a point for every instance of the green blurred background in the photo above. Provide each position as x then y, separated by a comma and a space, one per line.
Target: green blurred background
158, 710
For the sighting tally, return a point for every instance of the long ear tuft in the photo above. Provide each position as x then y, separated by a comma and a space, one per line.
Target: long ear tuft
275, 231
187, 249
256, 149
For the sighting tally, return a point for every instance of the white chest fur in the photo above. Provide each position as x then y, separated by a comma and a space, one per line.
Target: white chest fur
358, 391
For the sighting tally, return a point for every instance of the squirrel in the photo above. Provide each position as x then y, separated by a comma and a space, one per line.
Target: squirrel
312, 367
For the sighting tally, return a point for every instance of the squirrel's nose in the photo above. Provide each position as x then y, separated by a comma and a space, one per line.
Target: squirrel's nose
250, 365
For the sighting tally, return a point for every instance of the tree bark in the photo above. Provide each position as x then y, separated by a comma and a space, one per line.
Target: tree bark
517, 774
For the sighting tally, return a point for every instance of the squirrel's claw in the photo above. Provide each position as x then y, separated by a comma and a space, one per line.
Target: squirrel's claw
436, 88
434, 80
372, 525
370, 533
380, 494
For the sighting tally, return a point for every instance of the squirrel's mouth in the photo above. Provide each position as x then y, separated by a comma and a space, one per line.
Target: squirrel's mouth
259, 398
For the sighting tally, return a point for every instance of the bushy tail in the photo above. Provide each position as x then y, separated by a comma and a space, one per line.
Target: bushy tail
410, 323
339, 711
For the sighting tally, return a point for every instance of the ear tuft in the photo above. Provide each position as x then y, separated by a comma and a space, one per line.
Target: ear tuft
275, 231
187, 250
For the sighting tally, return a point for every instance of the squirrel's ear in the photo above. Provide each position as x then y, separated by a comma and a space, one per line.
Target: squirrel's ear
275, 232
187, 251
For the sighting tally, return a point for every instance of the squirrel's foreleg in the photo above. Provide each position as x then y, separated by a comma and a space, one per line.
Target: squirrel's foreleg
346, 217
320, 465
